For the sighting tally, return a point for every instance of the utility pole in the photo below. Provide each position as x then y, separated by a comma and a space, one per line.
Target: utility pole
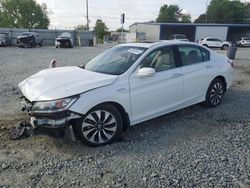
122, 22
206, 10
87, 8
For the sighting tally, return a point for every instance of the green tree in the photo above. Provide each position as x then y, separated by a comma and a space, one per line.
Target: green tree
120, 30
185, 18
201, 19
169, 14
23, 14
81, 27
224, 11
100, 29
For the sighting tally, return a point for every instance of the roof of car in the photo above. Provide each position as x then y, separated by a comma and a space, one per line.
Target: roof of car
149, 44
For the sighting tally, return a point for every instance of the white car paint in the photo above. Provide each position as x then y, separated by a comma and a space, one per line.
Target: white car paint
143, 98
57, 83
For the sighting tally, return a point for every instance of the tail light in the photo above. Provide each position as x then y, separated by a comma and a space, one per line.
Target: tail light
231, 62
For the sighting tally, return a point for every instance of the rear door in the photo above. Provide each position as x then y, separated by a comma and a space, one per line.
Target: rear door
197, 73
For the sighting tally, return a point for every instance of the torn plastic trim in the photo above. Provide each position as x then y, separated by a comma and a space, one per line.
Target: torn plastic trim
56, 120
24, 129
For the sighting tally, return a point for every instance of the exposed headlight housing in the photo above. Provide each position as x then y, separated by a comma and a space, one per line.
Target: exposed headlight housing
53, 106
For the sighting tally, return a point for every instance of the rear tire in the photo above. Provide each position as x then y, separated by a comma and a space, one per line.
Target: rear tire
215, 93
225, 47
102, 125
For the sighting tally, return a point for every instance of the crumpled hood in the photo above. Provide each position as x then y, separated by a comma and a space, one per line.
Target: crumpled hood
61, 82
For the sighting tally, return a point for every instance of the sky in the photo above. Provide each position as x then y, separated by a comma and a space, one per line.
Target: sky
66, 14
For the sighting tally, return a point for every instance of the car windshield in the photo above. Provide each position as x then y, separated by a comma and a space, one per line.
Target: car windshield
2, 36
26, 34
116, 60
180, 37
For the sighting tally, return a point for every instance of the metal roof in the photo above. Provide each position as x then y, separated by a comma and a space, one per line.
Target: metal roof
193, 24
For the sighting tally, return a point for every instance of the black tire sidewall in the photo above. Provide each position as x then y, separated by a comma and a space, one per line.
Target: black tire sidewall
106, 107
208, 100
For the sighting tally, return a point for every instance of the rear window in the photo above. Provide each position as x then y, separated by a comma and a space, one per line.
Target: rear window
205, 54
246, 38
180, 37
190, 55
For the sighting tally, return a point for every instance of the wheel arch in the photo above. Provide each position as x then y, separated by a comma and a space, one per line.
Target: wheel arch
223, 79
121, 109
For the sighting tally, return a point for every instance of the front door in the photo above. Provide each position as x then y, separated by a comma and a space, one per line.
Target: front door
159, 94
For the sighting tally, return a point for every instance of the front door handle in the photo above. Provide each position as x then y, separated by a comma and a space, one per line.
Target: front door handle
209, 66
176, 75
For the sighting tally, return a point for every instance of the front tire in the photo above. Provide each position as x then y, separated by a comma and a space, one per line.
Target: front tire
215, 93
100, 126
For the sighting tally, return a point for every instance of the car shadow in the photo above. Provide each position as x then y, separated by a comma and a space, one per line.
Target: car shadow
168, 130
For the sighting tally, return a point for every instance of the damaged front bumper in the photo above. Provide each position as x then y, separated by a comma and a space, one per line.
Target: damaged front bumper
48, 119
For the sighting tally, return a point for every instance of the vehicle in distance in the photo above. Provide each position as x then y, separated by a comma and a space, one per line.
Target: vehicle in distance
212, 42
28, 40
124, 86
5, 39
244, 41
64, 40
179, 37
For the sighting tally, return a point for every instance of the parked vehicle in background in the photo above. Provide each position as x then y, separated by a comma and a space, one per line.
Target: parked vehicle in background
28, 40
5, 39
244, 41
64, 40
179, 37
126, 85
212, 42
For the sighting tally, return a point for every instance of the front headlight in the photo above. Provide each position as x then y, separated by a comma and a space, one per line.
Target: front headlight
53, 106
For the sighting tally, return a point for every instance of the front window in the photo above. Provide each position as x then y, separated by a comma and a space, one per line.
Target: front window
160, 60
116, 60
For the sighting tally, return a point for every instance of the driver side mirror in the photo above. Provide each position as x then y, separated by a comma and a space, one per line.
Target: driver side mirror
146, 72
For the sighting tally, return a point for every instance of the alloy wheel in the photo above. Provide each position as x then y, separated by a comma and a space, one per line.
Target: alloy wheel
216, 94
99, 126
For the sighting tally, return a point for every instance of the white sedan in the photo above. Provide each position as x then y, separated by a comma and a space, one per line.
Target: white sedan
124, 86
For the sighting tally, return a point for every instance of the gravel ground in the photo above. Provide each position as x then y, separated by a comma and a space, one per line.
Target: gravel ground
193, 147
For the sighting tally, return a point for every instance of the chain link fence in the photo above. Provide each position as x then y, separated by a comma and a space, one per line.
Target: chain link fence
83, 38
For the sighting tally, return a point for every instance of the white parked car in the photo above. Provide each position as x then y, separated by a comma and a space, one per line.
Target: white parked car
212, 42
179, 37
244, 41
124, 86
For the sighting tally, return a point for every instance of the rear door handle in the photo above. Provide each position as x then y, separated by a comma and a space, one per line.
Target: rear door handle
176, 75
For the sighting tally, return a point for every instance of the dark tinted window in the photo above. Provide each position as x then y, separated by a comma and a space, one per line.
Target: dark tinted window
161, 59
214, 40
190, 55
